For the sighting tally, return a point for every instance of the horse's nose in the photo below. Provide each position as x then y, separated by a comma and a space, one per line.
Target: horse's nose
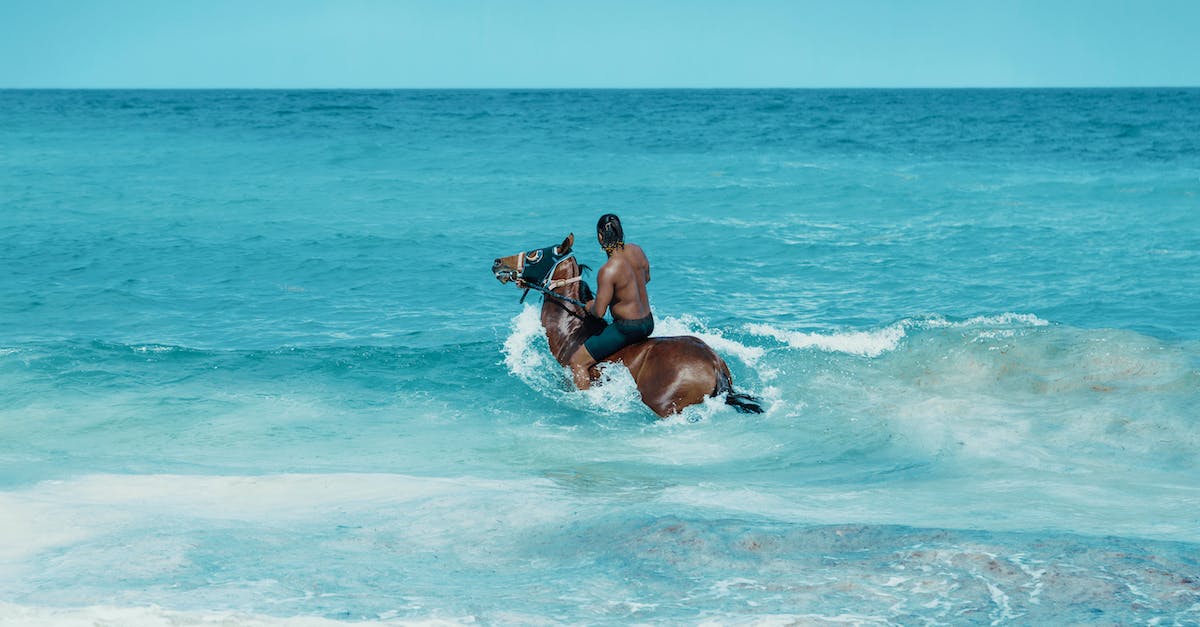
496, 265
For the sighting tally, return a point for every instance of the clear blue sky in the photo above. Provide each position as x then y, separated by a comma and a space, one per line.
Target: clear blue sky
566, 43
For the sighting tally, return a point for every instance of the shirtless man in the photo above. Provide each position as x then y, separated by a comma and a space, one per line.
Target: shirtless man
621, 287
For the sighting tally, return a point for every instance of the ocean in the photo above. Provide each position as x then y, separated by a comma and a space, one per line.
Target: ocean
255, 370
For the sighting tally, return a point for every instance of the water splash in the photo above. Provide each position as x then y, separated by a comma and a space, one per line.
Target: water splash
527, 357
526, 352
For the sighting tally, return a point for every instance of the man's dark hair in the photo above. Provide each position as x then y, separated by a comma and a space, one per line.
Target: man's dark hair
612, 236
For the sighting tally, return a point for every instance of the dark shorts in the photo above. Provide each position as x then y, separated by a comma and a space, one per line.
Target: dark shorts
618, 335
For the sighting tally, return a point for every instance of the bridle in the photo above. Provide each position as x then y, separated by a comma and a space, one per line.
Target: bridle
546, 285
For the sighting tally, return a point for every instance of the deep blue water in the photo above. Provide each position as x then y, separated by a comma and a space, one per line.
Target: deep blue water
253, 364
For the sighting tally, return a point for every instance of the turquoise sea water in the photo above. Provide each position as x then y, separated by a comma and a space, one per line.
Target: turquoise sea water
254, 367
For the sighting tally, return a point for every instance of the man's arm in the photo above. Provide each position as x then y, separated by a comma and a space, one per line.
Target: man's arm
604, 293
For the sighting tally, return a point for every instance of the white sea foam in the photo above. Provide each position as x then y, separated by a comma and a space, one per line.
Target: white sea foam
690, 325
806, 165
1148, 508
700, 412
527, 356
28, 526
615, 391
525, 352
57, 513
785, 620
1002, 320
153, 348
154, 616
865, 343
879, 341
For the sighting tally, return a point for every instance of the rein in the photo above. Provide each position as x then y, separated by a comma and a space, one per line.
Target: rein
548, 291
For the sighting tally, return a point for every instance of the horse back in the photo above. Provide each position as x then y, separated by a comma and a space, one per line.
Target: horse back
667, 355
674, 372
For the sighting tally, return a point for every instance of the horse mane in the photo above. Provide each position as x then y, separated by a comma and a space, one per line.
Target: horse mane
591, 326
585, 291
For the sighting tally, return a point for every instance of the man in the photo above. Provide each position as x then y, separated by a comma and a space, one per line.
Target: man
621, 287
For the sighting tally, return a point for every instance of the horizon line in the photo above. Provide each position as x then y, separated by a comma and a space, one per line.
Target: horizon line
578, 88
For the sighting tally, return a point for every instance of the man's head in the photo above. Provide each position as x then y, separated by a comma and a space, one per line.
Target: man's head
610, 233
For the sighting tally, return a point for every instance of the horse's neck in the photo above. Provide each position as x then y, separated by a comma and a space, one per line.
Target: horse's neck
564, 331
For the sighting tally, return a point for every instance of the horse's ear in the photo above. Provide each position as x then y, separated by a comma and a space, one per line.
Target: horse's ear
565, 247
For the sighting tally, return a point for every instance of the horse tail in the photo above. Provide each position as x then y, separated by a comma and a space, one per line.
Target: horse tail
742, 402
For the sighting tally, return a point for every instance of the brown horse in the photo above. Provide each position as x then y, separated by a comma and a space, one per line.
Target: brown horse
671, 372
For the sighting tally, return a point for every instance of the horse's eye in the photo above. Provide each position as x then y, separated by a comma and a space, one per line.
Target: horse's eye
533, 256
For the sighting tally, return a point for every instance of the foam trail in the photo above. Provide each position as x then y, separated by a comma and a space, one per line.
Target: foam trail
690, 325
865, 343
880, 341
154, 348
1003, 320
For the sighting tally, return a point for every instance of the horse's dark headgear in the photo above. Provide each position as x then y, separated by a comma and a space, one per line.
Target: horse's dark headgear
536, 266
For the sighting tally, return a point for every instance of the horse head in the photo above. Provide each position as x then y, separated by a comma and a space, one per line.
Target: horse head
532, 266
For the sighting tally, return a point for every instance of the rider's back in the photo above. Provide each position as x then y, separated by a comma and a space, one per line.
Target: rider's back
630, 270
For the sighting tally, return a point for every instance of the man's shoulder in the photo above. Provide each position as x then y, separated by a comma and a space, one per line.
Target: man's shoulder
614, 267
610, 266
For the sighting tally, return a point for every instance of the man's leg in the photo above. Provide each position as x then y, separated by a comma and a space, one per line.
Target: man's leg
581, 362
